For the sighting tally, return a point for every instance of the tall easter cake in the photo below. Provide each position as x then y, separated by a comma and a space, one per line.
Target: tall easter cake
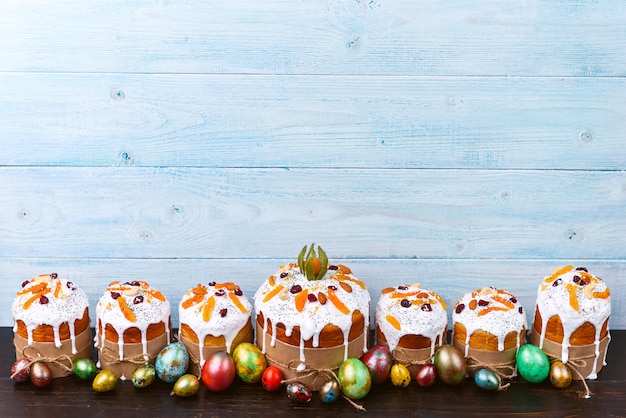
132, 325
489, 326
310, 317
412, 322
571, 320
51, 321
214, 317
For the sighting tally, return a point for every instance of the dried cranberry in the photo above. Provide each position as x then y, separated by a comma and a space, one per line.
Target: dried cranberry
238, 292
134, 283
311, 297
138, 299
426, 307
115, 295
25, 283
405, 303
284, 274
576, 279
43, 300
333, 267
212, 284
556, 282
223, 312
521, 310
513, 299
402, 287
459, 308
582, 269
296, 288
331, 287
220, 292
483, 302
54, 275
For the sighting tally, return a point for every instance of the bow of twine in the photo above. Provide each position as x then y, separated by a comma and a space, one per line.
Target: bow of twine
61, 361
575, 364
306, 372
399, 357
112, 357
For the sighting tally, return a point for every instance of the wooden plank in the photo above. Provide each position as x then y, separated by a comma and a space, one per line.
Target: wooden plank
313, 121
491, 37
246, 213
451, 278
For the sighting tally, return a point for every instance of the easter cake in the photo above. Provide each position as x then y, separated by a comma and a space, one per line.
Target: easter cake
412, 322
132, 325
214, 317
571, 321
489, 326
310, 317
51, 321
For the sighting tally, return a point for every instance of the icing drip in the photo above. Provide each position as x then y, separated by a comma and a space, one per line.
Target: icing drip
492, 310
140, 307
411, 310
48, 300
576, 297
331, 300
217, 309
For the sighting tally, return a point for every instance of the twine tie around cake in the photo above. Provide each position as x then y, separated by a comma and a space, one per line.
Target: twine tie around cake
294, 365
38, 358
111, 357
575, 364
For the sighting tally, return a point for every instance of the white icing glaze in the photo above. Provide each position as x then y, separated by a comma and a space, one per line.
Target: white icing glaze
554, 297
228, 326
281, 308
66, 303
426, 315
150, 310
496, 311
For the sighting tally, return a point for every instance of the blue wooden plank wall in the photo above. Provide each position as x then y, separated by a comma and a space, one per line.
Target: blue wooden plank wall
457, 144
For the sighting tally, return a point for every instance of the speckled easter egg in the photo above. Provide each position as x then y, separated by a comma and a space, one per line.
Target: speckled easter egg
298, 392
450, 364
104, 381
487, 379
378, 360
532, 363
560, 374
355, 379
143, 376
172, 362
400, 375
330, 391
250, 362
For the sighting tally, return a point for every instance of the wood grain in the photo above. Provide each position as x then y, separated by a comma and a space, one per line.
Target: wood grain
347, 37
314, 121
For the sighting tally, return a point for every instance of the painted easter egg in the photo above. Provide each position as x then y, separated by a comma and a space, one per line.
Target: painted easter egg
355, 379
450, 364
250, 362
378, 360
218, 371
20, 371
330, 391
143, 376
400, 375
487, 379
186, 385
272, 379
298, 392
40, 374
426, 375
85, 368
560, 374
104, 381
532, 363
172, 362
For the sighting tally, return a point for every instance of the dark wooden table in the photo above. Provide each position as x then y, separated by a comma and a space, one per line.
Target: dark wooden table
71, 397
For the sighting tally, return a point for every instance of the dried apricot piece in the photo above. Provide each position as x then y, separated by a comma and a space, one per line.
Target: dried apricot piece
273, 292
237, 302
128, 314
393, 321
301, 299
338, 303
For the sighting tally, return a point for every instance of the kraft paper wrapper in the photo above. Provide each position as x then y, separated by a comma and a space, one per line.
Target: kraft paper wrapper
499, 361
56, 360
194, 351
318, 360
582, 355
412, 358
109, 355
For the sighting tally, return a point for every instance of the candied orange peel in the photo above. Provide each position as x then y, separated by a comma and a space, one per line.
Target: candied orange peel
393, 321
128, 313
332, 296
273, 292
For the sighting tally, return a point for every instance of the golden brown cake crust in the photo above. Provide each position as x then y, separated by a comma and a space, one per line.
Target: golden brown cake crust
45, 333
213, 341
132, 335
331, 335
583, 335
410, 341
483, 340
